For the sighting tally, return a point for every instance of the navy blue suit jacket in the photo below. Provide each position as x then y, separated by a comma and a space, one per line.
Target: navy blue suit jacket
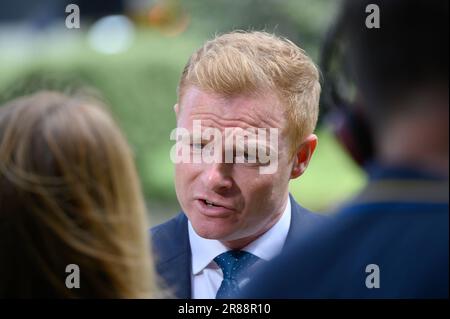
399, 223
172, 250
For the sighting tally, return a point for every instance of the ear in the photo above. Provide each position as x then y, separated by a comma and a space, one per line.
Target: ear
303, 156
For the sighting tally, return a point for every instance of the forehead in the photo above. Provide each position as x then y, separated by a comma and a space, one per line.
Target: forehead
262, 110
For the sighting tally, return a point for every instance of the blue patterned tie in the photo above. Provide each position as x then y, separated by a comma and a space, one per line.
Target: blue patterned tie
234, 264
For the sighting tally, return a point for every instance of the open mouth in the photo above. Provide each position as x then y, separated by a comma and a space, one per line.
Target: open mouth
210, 204
214, 208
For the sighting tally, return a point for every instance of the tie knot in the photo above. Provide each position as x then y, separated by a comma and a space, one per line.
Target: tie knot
235, 262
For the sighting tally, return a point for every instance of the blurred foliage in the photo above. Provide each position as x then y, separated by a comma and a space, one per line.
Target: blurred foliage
302, 21
140, 86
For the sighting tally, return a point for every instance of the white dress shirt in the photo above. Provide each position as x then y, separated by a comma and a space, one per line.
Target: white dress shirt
206, 275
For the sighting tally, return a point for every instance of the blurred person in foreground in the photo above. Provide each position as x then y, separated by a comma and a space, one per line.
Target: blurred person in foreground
391, 241
234, 216
69, 194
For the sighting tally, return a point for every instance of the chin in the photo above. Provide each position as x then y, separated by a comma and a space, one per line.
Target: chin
210, 231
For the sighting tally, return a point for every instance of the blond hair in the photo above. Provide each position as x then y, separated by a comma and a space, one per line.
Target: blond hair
247, 62
69, 194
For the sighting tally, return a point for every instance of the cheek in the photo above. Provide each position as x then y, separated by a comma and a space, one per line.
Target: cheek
179, 174
285, 166
183, 177
186, 176
255, 188
185, 172
262, 193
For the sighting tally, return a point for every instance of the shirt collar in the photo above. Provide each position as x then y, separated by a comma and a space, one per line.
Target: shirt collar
265, 247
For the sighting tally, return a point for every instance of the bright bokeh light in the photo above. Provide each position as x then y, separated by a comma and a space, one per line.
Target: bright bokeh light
112, 34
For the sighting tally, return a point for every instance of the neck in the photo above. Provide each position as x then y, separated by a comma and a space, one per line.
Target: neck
240, 243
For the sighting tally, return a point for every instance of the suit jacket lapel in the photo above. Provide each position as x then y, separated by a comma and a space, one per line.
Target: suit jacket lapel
173, 253
302, 220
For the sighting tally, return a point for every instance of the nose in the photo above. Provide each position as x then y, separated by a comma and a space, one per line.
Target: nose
217, 177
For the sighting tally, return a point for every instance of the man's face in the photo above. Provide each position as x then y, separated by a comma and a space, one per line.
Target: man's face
246, 203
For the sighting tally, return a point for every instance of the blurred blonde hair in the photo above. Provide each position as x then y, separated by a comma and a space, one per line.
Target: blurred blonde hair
247, 62
69, 194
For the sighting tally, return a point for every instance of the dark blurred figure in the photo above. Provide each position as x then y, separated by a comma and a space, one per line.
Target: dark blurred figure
41, 14
69, 194
387, 90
